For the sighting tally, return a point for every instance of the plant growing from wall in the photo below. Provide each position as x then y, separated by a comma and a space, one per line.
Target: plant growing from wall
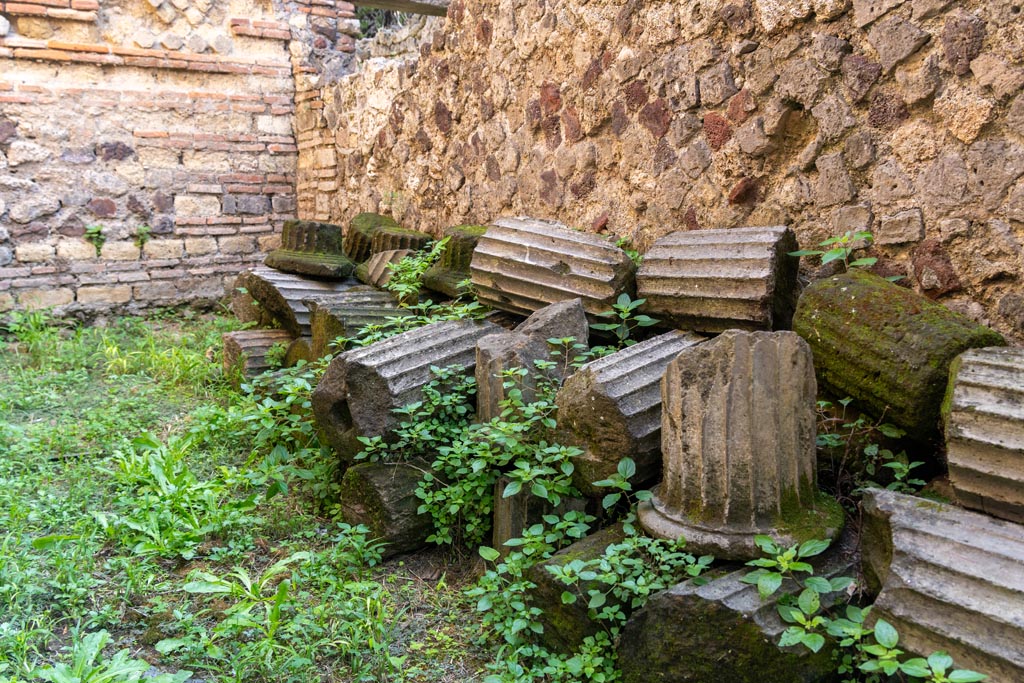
94, 235
142, 235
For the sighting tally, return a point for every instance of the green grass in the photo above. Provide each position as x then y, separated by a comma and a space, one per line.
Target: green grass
142, 497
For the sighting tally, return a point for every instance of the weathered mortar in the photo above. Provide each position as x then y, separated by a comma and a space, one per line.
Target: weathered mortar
636, 118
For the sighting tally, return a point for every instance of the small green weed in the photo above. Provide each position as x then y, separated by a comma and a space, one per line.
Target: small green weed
94, 235
863, 654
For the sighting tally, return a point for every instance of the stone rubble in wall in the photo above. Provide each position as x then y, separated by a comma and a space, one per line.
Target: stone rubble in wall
638, 119
397, 42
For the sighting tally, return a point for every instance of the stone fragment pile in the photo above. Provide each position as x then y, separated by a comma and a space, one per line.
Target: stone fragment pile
718, 414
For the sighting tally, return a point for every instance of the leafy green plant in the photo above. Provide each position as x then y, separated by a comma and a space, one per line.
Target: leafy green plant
856, 459
260, 601
35, 332
841, 248
407, 275
468, 458
165, 507
619, 581
864, 654
372, 20
275, 355
88, 666
94, 235
627, 320
142, 235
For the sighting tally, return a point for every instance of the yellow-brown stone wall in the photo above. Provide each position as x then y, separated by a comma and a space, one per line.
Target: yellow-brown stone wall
902, 117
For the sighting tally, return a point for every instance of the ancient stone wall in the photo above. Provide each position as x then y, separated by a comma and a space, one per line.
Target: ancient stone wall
161, 129
636, 118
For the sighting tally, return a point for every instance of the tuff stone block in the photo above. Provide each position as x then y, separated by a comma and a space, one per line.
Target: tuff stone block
523, 264
394, 238
453, 266
713, 280
245, 352
565, 626
611, 409
983, 415
886, 347
738, 447
280, 296
346, 313
519, 348
311, 248
362, 387
947, 579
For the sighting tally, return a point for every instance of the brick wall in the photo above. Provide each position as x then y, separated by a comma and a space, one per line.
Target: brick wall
163, 132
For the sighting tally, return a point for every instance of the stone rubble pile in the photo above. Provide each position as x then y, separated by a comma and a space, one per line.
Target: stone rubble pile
726, 423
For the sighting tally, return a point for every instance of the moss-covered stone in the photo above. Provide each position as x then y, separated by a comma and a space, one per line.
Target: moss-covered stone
885, 346
383, 497
311, 248
720, 632
361, 229
395, 238
453, 266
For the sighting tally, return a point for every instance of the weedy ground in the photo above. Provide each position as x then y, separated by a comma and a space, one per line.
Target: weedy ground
144, 498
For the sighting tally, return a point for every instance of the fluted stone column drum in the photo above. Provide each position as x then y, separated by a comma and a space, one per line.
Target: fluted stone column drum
738, 447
